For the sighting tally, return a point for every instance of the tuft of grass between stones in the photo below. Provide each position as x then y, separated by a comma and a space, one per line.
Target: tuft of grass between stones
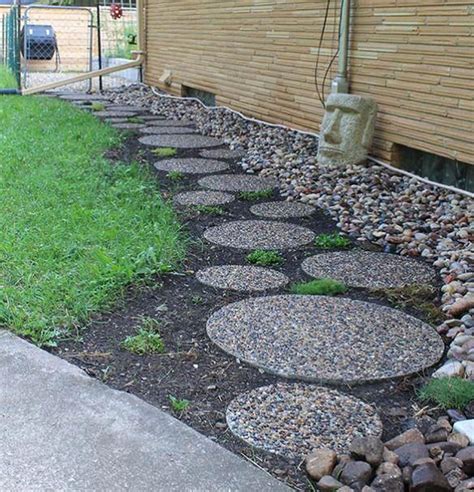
252, 196
175, 175
332, 241
164, 151
96, 106
135, 119
178, 405
76, 230
209, 209
264, 257
448, 393
319, 287
147, 340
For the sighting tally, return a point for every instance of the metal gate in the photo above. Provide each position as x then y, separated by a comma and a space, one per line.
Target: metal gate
10, 50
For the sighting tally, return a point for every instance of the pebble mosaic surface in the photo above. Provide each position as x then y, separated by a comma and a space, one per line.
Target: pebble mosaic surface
191, 165
325, 339
292, 420
180, 141
237, 182
222, 153
167, 130
369, 269
280, 210
197, 198
259, 234
113, 114
128, 126
242, 278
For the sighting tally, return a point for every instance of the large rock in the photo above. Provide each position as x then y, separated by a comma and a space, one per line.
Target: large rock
329, 484
451, 369
466, 455
465, 427
389, 469
409, 453
387, 483
368, 448
320, 462
444, 446
428, 478
410, 436
460, 439
356, 474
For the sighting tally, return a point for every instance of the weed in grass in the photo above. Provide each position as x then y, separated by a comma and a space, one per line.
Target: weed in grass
210, 209
178, 405
135, 119
164, 151
197, 300
332, 241
147, 340
448, 392
175, 175
96, 106
252, 196
264, 258
319, 287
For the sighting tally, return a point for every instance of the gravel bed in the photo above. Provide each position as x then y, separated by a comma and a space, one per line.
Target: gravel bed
167, 130
369, 270
196, 198
242, 278
128, 126
294, 419
259, 234
325, 339
192, 165
237, 182
180, 141
282, 210
222, 154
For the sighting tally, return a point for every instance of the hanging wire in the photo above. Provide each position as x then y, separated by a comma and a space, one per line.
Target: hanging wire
318, 54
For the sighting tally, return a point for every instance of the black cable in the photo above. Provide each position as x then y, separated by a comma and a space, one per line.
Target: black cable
326, 15
335, 54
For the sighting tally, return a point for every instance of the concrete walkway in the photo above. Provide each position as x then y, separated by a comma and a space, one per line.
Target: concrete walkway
64, 431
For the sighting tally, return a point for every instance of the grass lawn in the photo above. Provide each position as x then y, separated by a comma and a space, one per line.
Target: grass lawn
75, 229
7, 79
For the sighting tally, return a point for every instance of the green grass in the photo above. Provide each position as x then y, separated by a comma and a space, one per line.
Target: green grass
178, 405
264, 258
319, 287
252, 196
135, 119
75, 230
96, 106
175, 175
164, 151
7, 79
448, 392
332, 241
209, 209
147, 340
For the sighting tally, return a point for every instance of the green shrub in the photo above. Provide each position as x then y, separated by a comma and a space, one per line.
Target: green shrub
264, 258
319, 287
448, 392
332, 241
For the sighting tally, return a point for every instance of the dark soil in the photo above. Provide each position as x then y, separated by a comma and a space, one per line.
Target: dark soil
192, 367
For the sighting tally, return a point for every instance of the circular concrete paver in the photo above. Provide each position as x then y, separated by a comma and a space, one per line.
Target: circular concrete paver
292, 420
128, 126
161, 122
222, 154
242, 278
126, 109
152, 117
325, 339
179, 141
237, 182
259, 234
113, 114
369, 269
281, 210
196, 198
167, 130
191, 165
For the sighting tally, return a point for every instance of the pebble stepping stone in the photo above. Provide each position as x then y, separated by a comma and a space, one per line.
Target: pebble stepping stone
128, 126
113, 114
167, 130
179, 141
119, 108
325, 339
369, 269
292, 420
242, 278
196, 198
281, 210
83, 97
191, 165
237, 182
116, 120
151, 117
259, 234
222, 153
161, 122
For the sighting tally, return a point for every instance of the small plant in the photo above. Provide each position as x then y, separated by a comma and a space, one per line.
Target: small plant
164, 151
135, 119
264, 258
97, 106
330, 241
197, 300
178, 405
147, 340
252, 196
448, 392
319, 287
210, 210
175, 175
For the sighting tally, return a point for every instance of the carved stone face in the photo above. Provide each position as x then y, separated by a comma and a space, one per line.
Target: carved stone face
347, 129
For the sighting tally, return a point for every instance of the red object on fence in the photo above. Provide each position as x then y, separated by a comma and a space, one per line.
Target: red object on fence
116, 11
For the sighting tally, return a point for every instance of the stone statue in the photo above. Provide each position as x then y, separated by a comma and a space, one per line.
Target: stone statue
347, 129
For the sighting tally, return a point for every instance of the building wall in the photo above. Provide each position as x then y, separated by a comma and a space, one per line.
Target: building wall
415, 57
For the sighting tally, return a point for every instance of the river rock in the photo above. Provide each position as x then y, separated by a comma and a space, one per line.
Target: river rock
329, 483
409, 436
369, 448
466, 428
320, 462
409, 453
466, 455
428, 478
356, 474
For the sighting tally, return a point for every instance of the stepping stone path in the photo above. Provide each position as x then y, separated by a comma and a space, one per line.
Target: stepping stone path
292, 420
152, 117
198, 198
259, 234
167, 130
113, 114
180, 141
125, 109
237, 182
161, 122
191, 165
325, 339
281, 210
242, 278
369, 269
222, 154
128, 126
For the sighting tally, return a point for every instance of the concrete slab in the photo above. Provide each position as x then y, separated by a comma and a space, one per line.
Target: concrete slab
64, 431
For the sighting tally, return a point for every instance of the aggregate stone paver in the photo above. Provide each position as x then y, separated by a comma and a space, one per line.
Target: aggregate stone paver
120, 108
325, 339
369, 269
292, 420
180, 141
197, 198
167, 130
222, 153
281, 210
259, 234
237, 182
161, 122
243, 278
151, 117
128, 126
113, 114
192, 165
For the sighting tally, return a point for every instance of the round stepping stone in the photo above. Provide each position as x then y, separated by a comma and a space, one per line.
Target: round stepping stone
237, 182
179, 141
128, 126
292, 420
222, 153
369, 269
325, 339
242, 278
281, 210
151, 117
259, 234
191, 165
196, 198
116, 120
119, 108
167, 130
160, 122
113, 114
